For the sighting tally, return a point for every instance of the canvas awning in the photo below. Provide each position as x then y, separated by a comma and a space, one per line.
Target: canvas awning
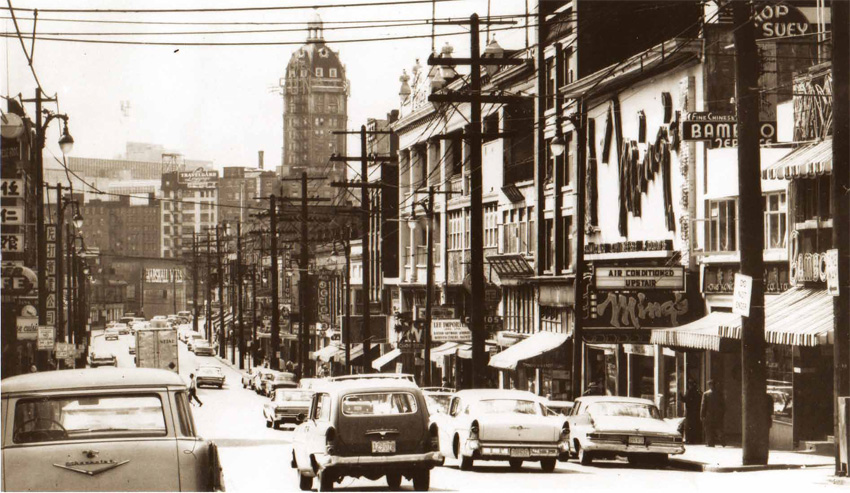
327, 353
797, 317
807, 161
357, 352
699, 334
535, 345
385, 359
445, 349
216, 319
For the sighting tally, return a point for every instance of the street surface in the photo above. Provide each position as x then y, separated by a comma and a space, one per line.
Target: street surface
256, 458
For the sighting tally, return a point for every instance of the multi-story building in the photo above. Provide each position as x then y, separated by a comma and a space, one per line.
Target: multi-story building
188, 207
315, 104
242, 189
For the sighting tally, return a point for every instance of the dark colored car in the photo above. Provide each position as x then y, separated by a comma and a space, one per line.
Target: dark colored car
371, 427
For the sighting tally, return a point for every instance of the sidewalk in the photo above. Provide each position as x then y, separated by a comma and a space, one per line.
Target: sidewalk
728, 459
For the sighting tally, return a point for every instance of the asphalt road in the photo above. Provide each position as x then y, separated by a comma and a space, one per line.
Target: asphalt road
256, 458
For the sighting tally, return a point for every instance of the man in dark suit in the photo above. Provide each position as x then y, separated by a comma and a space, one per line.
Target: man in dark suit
711, 413
693, 399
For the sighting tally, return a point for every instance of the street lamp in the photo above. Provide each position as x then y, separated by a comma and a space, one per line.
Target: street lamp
66, 142
78, 220
557, 146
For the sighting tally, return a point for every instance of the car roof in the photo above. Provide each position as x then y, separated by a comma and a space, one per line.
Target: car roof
484, 394
377, 384
100, 378
590, 399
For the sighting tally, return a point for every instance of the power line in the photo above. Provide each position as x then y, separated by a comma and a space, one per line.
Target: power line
23, 46
227, 9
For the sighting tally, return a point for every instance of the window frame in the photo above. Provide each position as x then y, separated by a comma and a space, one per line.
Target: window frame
713, 226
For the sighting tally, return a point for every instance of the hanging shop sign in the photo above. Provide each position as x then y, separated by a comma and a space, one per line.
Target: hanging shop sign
12, 188
437, 312
643, 310
11, 215
163, 275
780, 20
18, 280
629, 246
27, 328
719, 279
721, 130
832, 272
808, 268
323, 299
11, 243
640, 278
450, 331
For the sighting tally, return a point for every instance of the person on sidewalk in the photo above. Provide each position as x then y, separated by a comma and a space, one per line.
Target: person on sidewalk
693, 399
193, 390
711, 413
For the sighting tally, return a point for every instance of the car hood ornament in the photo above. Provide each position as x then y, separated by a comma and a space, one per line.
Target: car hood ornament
91, 467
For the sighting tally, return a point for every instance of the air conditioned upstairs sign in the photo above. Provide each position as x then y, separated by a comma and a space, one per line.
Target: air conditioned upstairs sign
640, 278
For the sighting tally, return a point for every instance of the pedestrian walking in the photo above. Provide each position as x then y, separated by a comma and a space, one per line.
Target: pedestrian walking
711, 413
693, 401
193, 390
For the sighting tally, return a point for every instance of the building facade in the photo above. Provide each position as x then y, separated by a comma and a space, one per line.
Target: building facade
188, 207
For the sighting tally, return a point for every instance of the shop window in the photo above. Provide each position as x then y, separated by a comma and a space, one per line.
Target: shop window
549, 251
775, 209
812, 199
779, 380
550, 83
491, 227
566, 243
455, 239
721, 225
553, 319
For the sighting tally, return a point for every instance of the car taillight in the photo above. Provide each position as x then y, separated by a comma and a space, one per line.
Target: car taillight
565, 432
473, 431
330, 441
435, 438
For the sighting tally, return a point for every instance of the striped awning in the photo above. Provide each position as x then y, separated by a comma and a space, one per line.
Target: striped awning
445, 349
216, 319
327, 353
535, 345
385, 359
797, 317
807, 161
699, 334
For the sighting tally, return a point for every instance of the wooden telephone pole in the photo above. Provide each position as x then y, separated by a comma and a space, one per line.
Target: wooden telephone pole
364, 186
473, 131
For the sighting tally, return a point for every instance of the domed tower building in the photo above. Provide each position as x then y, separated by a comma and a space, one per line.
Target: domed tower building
315, 104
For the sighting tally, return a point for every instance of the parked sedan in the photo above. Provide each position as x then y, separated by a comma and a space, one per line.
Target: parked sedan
609, 426
287, 406
127, 429
280, 380
203, 348
209, 375
372, 428
493, 424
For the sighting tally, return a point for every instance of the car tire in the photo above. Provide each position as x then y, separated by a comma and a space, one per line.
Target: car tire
584, 457
548, 465
276, 425
305, 483
268, 424
326, 481
466, 463
516, 464
422, 480
394, 481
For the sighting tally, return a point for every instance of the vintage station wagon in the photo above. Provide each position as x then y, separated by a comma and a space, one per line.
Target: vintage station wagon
122, 429
370, 427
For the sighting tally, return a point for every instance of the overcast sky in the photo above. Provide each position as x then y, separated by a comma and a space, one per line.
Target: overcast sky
217, 103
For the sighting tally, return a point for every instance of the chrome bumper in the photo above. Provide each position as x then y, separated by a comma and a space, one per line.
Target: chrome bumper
428, 459
515, 450
619, 447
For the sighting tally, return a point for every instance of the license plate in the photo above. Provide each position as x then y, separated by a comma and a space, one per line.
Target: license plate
635, 440
520, 452
383, 447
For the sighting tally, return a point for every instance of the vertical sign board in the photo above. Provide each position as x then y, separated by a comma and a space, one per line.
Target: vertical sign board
46, 337
51, 274
742, 295
832, 272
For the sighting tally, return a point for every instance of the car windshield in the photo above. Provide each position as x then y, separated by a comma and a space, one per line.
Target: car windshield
293, 395
627, 409
85, 417
378, 404
495, 406
438, 402
284, 377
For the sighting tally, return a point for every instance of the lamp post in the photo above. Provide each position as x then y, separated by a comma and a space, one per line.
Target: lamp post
60, 222
66, 144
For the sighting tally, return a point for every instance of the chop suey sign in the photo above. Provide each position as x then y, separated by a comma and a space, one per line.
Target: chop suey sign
779, 20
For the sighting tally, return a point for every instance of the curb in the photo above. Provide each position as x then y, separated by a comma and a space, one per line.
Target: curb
692, 465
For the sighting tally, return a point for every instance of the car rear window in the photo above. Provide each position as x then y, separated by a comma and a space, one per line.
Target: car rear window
87, 417
292, 395
496, 406
628, 409
378, 404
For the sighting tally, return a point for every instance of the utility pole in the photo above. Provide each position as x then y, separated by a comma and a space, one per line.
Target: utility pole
174, 289
69, 277
208, 317
239, 295
254, 315
473, 131
429, 284
755, 430
195, 308
346, 333
60, 219
222, 341
841, 205
581, 224
232, 293
275, 276
304, 287
366, 207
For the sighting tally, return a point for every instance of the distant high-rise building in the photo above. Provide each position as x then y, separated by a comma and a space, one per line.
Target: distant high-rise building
315, 93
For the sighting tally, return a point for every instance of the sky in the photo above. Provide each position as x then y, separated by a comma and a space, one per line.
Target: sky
217, 103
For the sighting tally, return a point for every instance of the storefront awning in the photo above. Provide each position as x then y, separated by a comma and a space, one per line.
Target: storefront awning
797, 317
445, 349
357, 353
808, 161
386, 359
699, 334
327, 353
510, 265
535, 345
228, 318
